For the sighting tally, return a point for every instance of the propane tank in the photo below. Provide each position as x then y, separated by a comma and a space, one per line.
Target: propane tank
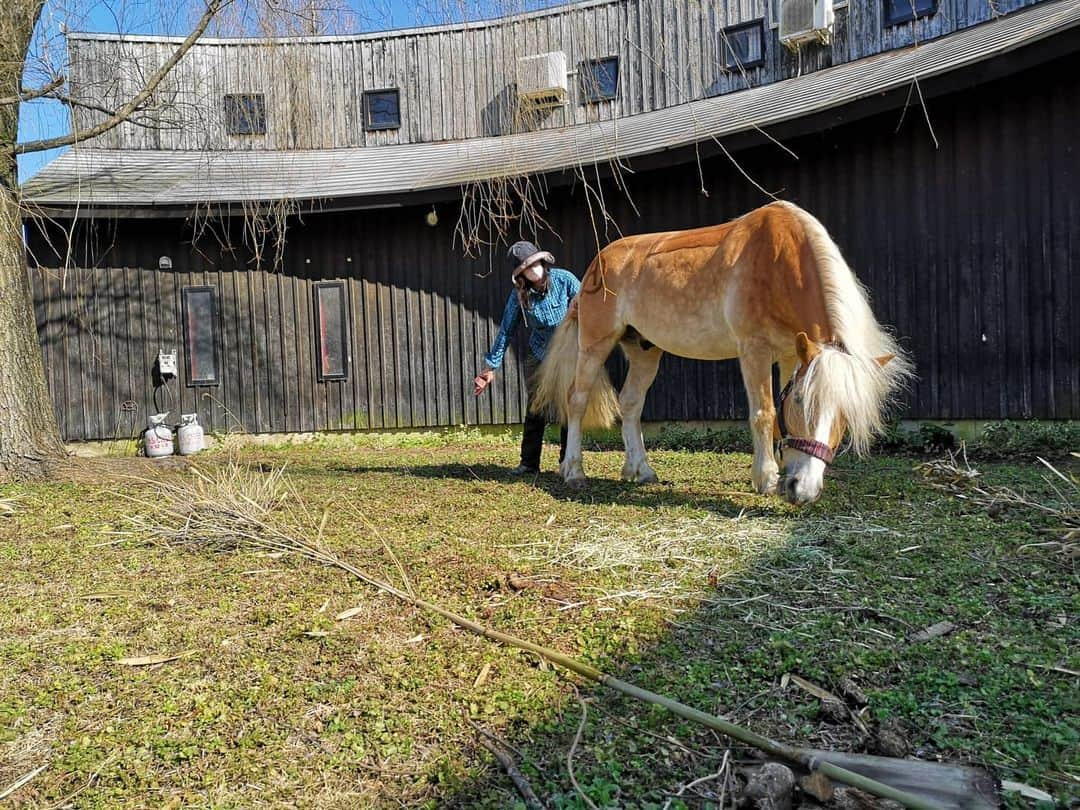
191, 436
158, 437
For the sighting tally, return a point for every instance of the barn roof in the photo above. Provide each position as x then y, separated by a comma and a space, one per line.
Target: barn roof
146, 178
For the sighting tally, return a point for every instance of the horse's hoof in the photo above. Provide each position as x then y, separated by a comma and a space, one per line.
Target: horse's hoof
648, 478
768, 486
576, 484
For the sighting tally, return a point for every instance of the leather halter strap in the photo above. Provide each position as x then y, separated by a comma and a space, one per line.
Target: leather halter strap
811, 447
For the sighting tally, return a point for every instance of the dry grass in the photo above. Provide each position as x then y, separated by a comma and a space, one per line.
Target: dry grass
224, 507
670, 561
1059, 501
31, 750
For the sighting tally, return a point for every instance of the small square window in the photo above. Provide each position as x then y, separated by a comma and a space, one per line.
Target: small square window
200, 335
599, 79
382, 109
902, 11
742, 46
245, 114
331, 330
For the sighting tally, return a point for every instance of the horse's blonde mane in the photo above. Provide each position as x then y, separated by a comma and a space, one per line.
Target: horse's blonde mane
850, 381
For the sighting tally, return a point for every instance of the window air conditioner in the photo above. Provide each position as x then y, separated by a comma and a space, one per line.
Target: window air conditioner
805, 21
541, 79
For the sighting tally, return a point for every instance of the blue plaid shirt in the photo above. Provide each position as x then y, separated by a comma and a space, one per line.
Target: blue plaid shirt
547, 312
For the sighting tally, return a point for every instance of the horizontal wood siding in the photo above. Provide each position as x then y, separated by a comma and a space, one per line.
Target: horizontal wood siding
459, 82
968, 249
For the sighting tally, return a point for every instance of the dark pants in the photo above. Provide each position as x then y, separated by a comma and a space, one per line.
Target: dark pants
532, 437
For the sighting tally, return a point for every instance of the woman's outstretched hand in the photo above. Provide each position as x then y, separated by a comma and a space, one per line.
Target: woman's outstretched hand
482, 381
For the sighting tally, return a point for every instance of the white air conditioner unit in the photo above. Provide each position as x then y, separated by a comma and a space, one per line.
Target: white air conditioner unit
541, 79
804, 21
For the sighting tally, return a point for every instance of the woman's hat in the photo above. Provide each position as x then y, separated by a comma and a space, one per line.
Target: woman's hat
522, 255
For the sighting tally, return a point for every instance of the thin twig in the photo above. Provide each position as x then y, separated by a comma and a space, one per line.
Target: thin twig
502, 741
22, 780
721, 772
573, 748
532, 801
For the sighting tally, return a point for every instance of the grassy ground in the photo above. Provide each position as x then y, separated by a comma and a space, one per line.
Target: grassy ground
693, 588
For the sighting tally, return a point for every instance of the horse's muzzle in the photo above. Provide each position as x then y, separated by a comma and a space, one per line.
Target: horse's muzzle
796, 492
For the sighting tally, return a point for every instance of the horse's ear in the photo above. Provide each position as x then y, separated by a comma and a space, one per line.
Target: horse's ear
806, 348
884, 359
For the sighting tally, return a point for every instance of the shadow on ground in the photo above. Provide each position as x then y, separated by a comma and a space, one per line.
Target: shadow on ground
838, 603
598, 490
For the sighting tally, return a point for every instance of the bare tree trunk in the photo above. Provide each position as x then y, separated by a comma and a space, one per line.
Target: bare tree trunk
29, 436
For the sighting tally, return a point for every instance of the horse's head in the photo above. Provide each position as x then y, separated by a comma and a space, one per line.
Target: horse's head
830, 392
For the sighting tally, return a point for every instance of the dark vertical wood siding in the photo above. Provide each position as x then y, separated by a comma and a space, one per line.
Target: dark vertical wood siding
968, 250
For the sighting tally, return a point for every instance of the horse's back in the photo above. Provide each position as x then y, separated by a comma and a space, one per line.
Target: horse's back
779, 219
698, 292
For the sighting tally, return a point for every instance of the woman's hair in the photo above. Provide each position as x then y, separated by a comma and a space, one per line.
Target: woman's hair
523, 286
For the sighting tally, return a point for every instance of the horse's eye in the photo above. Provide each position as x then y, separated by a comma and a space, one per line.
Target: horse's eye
798, 400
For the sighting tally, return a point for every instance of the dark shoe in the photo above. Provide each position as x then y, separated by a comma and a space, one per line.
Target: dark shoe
524, 469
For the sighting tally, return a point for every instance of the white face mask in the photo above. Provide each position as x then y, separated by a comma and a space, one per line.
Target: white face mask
533, 273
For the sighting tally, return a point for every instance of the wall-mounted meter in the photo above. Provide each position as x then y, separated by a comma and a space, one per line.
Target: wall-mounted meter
166, 364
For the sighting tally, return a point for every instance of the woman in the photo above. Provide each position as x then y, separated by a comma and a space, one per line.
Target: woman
542, 295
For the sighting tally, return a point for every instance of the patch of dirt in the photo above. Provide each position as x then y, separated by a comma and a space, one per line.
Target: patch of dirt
122, 468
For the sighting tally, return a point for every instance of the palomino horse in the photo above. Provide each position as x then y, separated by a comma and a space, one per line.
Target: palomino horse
770, 286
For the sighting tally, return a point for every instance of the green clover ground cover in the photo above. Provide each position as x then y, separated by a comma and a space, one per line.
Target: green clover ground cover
694, 588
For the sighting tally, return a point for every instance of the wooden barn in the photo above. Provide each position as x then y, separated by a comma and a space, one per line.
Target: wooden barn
290, 217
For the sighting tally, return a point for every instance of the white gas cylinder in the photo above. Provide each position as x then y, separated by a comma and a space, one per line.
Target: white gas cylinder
158, 437
192, 438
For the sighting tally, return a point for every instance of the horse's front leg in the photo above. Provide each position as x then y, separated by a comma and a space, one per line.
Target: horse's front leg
755, 360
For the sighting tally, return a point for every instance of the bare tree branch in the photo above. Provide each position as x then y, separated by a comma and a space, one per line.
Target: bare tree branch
68, 101
30, 95
132, 118
212, 8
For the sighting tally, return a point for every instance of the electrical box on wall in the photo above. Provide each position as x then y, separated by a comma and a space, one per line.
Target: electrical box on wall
166, 364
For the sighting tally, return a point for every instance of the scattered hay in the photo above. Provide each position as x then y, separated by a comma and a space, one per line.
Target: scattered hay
955, 475
669, 561
31, 748
9, 506
227, 507
239, 507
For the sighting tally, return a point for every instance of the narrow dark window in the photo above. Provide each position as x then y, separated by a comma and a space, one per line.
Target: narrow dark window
599, 79
743, 46
331, 330
200, 335
245, 114
901, 11
382, 109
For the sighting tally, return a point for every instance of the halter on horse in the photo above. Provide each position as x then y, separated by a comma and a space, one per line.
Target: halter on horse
812, 447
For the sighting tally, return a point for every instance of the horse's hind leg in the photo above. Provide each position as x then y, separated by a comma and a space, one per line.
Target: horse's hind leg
644, 364
589, 362
755, 360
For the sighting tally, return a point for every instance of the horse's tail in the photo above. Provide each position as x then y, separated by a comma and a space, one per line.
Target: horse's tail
554, 380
